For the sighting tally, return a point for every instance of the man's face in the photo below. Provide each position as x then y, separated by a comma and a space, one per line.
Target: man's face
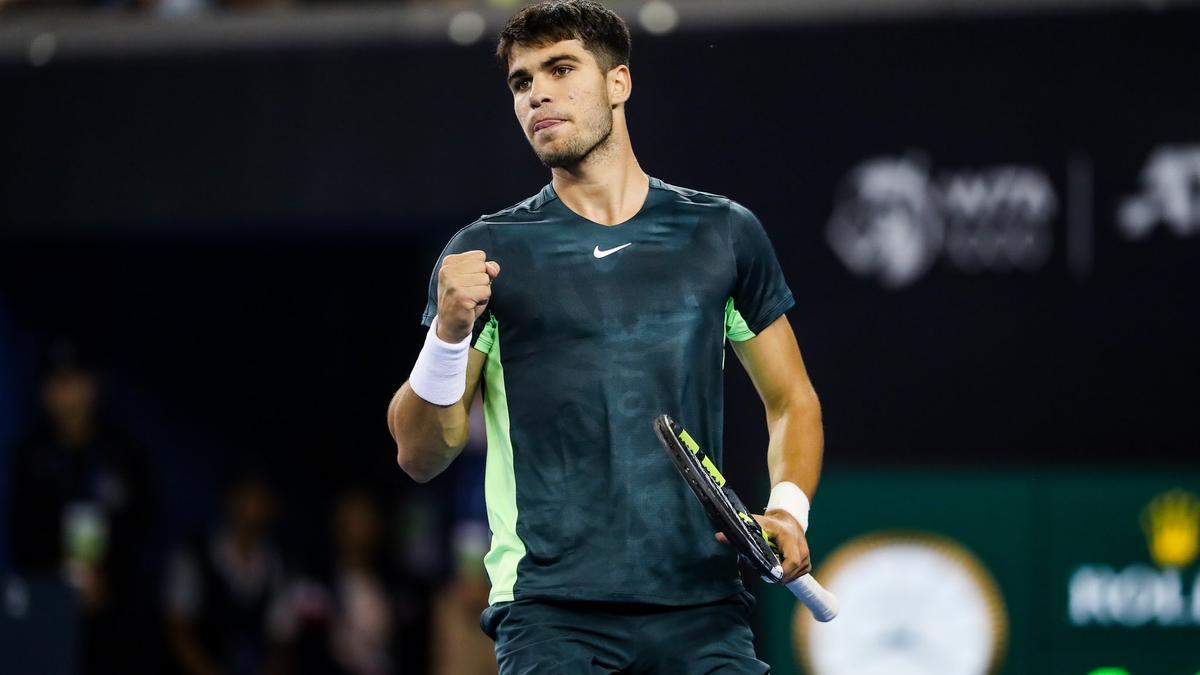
560, 96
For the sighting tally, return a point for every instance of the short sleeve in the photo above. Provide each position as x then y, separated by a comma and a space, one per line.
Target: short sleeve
473, 237
760, 294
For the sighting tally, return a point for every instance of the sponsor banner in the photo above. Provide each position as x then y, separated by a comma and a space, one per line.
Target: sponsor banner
897, 217
1053, 574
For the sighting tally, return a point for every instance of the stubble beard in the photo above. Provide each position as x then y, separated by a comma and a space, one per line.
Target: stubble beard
576, 149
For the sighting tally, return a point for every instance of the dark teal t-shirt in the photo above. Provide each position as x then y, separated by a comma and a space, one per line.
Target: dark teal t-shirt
591, 332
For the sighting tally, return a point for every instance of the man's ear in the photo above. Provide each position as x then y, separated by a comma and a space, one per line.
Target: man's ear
620, 85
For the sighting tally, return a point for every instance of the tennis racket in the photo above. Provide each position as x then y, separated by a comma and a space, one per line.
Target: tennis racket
729, 515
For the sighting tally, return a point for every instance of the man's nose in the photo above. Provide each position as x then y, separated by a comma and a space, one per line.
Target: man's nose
539, 92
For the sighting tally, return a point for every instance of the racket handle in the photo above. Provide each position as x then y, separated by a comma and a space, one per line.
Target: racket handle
824, 605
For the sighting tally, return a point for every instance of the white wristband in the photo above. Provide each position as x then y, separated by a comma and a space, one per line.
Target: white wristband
787, 496
440, 374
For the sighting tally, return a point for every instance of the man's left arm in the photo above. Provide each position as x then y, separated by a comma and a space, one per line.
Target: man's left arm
772, 359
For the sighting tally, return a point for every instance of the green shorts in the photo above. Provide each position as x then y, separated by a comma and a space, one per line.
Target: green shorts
575, 638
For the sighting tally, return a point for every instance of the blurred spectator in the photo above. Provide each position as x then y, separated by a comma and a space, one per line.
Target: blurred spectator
224, 593
349, 617
442, 538
460, 647
363, 627
83, 507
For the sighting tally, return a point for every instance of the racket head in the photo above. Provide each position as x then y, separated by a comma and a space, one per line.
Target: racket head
724, 509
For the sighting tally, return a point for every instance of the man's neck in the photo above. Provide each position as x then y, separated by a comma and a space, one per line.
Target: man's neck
608, 189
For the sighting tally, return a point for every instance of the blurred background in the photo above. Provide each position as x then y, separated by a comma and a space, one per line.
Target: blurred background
217, 222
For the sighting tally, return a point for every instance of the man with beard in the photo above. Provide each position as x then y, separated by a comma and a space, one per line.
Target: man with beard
617, 295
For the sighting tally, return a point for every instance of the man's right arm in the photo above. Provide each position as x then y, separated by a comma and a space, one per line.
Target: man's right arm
428, 437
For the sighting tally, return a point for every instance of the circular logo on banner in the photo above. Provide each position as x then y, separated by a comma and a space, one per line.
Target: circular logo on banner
885, 224
911, 604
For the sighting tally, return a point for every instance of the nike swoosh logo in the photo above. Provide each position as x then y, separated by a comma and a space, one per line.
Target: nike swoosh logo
600, 254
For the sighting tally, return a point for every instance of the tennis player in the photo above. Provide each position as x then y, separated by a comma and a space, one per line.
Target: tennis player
585, 311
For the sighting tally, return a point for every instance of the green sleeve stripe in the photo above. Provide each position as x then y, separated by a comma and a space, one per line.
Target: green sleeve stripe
487, 337
500, 484
735, 326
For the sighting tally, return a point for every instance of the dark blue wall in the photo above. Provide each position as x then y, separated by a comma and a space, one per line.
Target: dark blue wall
247, 235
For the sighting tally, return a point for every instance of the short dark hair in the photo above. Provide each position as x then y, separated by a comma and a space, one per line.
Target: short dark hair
601, 31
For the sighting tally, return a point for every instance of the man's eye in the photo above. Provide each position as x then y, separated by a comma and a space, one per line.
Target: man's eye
562, 70
521, 85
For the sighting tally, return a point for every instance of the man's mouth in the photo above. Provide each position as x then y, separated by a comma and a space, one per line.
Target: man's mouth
546, 124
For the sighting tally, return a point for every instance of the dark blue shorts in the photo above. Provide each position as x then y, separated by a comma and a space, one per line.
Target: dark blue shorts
575, 638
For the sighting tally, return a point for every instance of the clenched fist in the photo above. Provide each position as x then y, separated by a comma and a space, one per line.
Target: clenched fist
464, 288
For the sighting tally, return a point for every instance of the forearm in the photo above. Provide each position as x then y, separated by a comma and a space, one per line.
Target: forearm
797, 441
428, 437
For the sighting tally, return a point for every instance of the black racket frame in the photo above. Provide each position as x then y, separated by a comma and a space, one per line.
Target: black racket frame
724, 508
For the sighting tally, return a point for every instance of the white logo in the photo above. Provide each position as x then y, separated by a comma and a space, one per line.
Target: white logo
892, 220
1140, 594
1170, 194
600, 254
1134, 596
885, 225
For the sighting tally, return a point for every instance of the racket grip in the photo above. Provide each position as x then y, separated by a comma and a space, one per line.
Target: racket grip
822, 603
